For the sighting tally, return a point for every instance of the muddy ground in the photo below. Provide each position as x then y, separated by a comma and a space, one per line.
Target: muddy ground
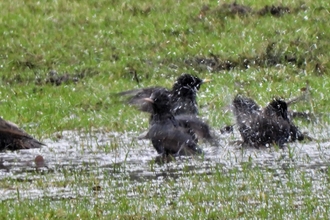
234, 9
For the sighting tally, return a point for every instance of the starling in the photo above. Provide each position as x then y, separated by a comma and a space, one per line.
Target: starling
261, 127
13, 138
167, 135
182, 96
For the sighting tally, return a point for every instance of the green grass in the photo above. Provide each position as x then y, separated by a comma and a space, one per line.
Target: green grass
237, 193
109, 41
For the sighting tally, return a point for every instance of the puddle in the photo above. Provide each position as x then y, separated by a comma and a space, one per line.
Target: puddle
130, 162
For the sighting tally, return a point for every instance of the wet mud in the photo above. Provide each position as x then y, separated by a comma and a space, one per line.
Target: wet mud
56, 79
235, 9
53, 78
272, 56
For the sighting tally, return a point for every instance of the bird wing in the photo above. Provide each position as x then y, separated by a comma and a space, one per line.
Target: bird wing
245, 104
136, 97
9, 130
199, 127
245, 110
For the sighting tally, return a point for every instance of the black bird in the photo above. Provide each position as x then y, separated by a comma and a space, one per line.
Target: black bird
167, 134
261, 127
184, 92
248, 105
13, 138
182, 96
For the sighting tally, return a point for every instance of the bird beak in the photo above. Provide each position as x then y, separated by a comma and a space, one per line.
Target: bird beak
207, 80
148, 100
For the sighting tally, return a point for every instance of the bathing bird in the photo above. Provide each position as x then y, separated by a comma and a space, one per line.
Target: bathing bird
13, 138
182, 96
264, 126
168, 135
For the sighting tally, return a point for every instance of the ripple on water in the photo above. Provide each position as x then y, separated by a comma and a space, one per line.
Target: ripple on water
127, 159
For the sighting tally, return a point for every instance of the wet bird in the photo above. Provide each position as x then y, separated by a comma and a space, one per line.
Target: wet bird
13, 138
262, 127
168, 135
248, 105
182, 96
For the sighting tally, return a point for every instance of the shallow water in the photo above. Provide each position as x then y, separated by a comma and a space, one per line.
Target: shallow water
131, 161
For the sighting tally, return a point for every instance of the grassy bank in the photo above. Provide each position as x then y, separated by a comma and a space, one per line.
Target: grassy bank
261, 194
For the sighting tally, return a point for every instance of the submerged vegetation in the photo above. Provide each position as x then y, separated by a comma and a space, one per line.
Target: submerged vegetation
62, 62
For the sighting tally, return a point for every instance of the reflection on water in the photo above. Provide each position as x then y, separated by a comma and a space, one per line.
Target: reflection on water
127, 159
